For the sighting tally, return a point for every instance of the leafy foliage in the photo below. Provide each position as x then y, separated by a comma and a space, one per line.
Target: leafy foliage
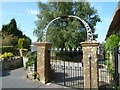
112, 42
110, 67
31, 60
22, 43
8, 49
10, 35
11, 28
74, 33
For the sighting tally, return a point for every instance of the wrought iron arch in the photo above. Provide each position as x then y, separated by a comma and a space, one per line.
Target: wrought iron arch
89, 31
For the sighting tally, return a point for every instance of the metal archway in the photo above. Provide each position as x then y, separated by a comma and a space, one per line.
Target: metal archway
89, 31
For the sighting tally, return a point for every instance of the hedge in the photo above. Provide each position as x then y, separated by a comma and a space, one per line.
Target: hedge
4, 49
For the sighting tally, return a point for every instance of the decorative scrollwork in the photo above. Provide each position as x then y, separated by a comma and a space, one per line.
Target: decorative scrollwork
89, 31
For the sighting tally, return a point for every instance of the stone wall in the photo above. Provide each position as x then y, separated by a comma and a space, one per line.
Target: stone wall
11, 63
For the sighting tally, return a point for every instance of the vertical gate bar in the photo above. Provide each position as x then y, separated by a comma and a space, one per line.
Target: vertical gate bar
70, 75
60, 61
73, 73
79, 80
56, 61
116, 66
64, 68
78, 74
69, 65
67, 70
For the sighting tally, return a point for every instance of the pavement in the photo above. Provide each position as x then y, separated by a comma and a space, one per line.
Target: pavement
17, 79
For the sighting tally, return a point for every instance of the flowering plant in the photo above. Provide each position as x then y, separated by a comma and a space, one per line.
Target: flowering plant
6, 55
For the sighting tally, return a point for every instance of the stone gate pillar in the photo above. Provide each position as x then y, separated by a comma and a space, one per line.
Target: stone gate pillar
90, 57
43, 61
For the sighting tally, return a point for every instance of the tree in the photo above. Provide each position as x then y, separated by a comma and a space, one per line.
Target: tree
74, 33
11, 28
22, 45
10, 35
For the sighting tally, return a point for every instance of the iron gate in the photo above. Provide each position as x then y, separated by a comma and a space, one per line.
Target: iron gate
116, 65
67, 67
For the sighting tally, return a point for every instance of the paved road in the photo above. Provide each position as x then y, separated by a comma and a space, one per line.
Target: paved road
16, 79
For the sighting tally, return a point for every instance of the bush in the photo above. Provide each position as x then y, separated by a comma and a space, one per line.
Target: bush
31, 60
23, 43
6, 55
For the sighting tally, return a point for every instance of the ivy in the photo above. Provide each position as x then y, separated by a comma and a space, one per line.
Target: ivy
112, 42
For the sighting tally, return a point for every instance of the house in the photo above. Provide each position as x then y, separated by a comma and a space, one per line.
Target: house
114, 28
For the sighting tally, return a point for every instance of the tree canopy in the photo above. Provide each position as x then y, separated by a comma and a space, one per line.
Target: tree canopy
71, 35
10, 34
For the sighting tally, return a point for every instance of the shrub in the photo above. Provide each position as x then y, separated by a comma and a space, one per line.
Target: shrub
31, 60
6, 55
23, 43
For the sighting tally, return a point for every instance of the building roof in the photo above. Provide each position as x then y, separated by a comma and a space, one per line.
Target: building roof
115, 21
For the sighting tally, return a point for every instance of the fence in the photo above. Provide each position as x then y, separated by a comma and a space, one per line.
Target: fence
67, 67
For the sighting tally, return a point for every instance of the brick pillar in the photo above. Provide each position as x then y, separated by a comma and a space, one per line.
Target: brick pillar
43, 61
90, 57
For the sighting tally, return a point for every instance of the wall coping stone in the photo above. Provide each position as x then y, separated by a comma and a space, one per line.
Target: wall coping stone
42, 44
89, 43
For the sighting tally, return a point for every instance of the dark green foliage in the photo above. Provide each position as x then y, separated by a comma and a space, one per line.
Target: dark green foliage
8, 49
11, 28
10, 35
74, 33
